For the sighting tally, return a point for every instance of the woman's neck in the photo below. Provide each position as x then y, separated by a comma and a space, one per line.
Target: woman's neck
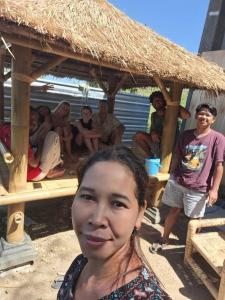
105, 268
101, 277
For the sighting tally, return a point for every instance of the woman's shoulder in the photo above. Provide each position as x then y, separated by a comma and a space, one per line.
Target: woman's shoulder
69, 282
144, 286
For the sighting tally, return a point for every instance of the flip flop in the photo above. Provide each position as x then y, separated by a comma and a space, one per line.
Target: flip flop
56, 284
158, 246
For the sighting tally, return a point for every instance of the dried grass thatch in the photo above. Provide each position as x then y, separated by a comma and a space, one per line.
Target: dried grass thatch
96, 29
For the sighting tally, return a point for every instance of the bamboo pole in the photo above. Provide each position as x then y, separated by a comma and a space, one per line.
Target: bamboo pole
2, 59
31, 196
15, 223
169, 128
19, 140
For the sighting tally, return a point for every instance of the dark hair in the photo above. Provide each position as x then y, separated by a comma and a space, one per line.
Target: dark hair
124, 156
44, 106
87, 107
105, 102
32, 109
205, 106
41, 117
156, 94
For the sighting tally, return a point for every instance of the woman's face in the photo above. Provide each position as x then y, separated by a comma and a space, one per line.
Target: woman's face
44, 111
105, 210
86, 115
63, 110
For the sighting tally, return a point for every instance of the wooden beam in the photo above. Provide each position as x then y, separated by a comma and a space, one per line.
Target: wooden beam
50, 65
20, 103
50, 47
118, 85
169, 128
114, 86
100, 82
163, 89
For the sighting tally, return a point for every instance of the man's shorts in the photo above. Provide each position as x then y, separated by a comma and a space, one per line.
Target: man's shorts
193, 202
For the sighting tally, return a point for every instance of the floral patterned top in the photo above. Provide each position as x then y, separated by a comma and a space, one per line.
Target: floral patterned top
144, 286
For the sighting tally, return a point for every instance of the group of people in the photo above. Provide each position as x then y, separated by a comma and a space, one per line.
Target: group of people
111, 198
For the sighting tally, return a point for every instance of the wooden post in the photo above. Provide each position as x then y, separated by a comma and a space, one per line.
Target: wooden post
111, 102
169, 129
2, 59
112, 88
19, 139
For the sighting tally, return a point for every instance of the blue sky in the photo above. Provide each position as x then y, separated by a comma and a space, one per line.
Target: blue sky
181, 21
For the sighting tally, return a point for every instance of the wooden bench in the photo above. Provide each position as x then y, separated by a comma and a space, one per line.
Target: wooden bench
211, 246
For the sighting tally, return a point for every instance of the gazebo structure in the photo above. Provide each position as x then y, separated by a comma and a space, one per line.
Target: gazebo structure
88, 40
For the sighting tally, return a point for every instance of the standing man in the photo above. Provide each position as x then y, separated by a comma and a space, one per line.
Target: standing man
196, 172
110, 128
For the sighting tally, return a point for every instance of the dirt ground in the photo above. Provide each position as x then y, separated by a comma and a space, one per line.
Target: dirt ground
49, 225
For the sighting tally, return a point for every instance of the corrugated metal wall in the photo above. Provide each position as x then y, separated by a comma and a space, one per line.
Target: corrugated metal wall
132, 110
204, 97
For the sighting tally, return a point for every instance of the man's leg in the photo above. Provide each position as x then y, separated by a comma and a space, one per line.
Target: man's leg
170, 221
116, 135
50, 156
140, 144
173, 196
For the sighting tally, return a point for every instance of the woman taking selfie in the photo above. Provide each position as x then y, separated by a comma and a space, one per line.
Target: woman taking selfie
107, 212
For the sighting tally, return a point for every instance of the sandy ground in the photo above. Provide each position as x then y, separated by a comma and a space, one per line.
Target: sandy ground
57, 246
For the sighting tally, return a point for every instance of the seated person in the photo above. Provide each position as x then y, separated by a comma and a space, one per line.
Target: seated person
109, 127
148, 144
40, 129
84, 132
60, 123
45, 160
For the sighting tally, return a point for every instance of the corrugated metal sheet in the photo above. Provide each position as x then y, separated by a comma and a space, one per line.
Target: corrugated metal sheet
132, 110
204, 97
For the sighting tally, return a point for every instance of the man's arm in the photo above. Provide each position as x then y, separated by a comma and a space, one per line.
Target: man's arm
184, 114
217, 177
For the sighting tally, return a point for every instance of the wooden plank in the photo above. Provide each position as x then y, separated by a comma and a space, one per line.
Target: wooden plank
43, 190
212, 247
46, 67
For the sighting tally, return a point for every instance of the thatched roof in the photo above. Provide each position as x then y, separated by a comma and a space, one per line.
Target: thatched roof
98, 34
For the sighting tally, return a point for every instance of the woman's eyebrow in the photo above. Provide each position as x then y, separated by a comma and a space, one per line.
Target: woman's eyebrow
121, 196
86, 189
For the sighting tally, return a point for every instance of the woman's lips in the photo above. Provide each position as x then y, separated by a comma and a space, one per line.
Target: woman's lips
95, 240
